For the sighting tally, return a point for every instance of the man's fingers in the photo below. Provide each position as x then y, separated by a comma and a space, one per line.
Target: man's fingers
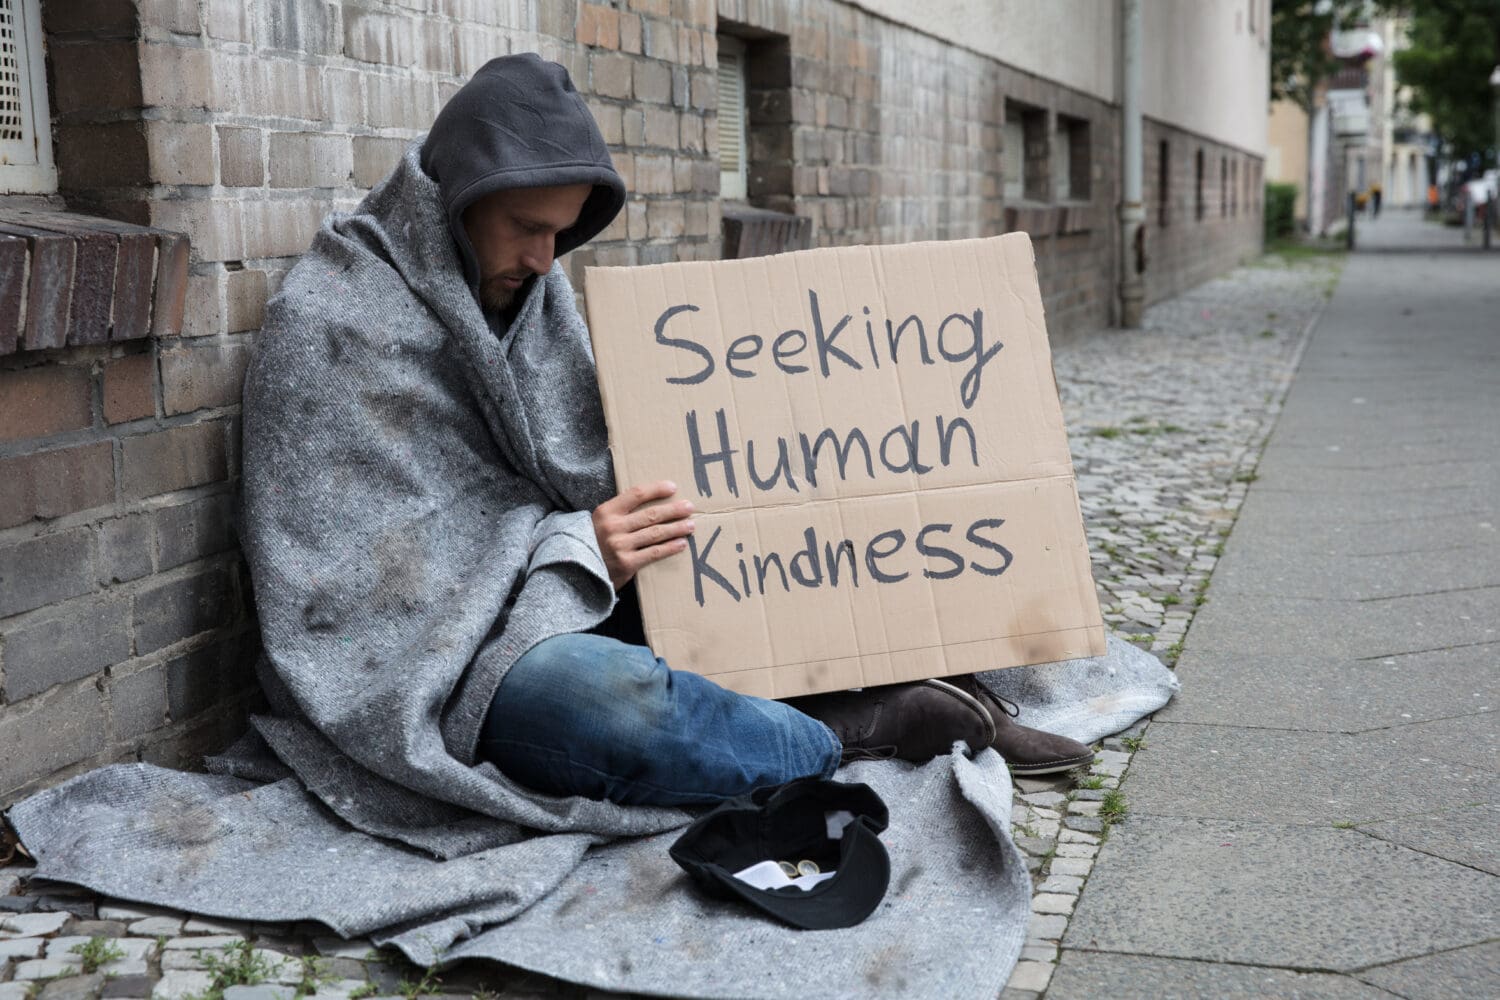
655, 553
660, 513
658, 533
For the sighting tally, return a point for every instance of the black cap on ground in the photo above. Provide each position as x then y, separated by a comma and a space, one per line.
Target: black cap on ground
792, 823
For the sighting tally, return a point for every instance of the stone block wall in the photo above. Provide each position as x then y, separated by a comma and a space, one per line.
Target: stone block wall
126, 629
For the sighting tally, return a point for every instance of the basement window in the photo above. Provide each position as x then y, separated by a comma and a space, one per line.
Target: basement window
732, 115
25, 123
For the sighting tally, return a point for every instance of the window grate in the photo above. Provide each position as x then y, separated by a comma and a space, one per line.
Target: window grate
12, 100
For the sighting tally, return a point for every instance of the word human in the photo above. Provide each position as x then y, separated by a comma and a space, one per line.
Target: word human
885, 558
958, 339
898, 450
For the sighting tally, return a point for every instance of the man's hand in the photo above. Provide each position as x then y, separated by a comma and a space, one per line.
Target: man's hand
632, 535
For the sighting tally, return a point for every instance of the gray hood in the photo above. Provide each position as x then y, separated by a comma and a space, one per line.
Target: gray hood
519, 123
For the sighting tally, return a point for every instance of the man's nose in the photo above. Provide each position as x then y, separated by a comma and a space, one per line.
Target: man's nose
538, 256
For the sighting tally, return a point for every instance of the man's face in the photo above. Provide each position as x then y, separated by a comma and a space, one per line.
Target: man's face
512, 233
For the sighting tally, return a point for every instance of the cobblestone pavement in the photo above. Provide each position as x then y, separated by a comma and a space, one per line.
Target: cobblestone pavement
1167, 423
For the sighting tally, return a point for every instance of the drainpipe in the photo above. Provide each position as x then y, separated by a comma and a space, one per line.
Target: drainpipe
1132, 213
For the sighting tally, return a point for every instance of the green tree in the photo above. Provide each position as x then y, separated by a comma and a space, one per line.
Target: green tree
1300, 53
1454, 45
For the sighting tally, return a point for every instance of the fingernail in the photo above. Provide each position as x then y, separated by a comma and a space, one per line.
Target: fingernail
671, 486
691, 526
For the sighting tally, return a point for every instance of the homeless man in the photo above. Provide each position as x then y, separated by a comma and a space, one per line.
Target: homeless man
434, 540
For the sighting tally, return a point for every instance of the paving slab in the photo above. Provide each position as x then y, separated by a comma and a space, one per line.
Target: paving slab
1273, 570
1234, 622
1332, 480
1472, 740
1406, 533
1465, 835
1375, 505
1341, 696
1303, 898
1284, 776
1463, 972
1084, 975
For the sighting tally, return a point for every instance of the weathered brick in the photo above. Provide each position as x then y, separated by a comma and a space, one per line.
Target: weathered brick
48, 733
282, 228
343, 97
661, 127
611, 74
176, 76
94, 76
193, 530
86, 637
241, 161
598, 25
125, 545
200, 375
135, 270
43, 570
608, 118
13, 260
653, 82
175, 459
633, 122
180, 16
37, 402
96, 17
660, 40
398, 102
653, 174
298, 25
180, 152
229, 20
170, 295
374, 158
376, 37
171, 612
630, 33
213, 225
104, 154
52, 483
310, 159
245, 293
138, 702
666, 219
203, 308
200, 680
661, 8
129, 388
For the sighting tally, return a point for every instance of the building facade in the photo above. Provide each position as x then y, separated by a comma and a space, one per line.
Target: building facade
126, 622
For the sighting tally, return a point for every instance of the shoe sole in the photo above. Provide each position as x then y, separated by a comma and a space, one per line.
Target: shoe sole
1051, 767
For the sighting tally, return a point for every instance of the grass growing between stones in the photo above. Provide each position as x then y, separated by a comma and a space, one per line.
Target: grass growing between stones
96, 951
242, 965
1113, 808
1132, 743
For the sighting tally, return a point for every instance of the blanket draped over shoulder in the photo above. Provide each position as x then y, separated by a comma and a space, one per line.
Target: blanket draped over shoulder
416, 504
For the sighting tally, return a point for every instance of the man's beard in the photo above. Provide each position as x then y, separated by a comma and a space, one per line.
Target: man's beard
495, 295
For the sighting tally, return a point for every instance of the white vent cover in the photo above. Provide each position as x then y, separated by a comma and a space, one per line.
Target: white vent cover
25, 126
732, 154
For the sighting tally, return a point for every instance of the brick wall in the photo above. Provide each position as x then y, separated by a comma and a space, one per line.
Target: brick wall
1189, 248
125, 630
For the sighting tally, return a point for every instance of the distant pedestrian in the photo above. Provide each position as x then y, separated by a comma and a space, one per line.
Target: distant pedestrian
1375, 193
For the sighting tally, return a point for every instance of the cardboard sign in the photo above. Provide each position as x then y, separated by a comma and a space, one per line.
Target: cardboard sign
873, 440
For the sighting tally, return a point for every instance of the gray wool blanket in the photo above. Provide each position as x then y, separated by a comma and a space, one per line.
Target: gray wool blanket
416, 497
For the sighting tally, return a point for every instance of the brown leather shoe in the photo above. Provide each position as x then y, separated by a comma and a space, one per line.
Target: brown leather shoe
915, 722
1028, 751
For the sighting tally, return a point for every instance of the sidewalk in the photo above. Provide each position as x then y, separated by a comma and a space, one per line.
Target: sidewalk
1316, 814
1404, 229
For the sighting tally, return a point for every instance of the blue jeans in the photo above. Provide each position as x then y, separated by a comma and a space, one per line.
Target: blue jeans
585, 714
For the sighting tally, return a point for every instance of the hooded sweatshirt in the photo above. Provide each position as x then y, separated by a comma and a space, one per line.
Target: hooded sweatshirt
519, 123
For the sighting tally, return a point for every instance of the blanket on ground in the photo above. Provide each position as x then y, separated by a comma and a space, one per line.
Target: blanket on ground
618, 915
